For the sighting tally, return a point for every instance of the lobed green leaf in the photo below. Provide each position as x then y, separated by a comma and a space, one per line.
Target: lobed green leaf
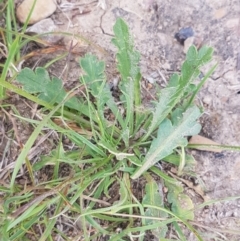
154, 197
48, 90
170, 137
128, 66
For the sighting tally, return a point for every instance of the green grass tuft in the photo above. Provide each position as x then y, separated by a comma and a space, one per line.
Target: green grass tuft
98, 196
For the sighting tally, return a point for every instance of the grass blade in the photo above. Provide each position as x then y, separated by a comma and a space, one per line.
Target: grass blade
29, 143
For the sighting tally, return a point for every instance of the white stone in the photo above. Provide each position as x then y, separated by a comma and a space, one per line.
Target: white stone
150, 79
188, 43
46, 26
42, 9
232, 23
207, 99
220, 13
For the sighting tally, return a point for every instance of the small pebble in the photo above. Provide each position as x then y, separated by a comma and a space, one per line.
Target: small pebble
42, 9
45, 26
220, 13
235, 214
232, 23
207, 99
188, 43
165, 189
150, 79
183, 34
228, 38
149, 86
